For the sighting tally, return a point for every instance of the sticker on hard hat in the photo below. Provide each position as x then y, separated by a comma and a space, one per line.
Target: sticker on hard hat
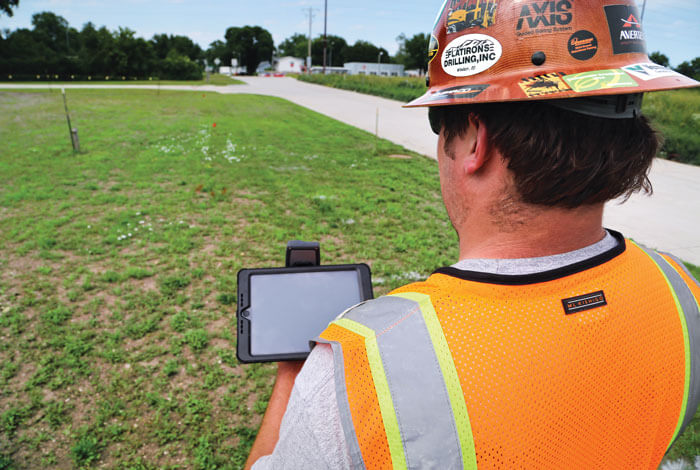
625, 29
458, 92
543, 85
599, 80
470, 14
471, 54
433, 48
545, 17
583, 45
649, 71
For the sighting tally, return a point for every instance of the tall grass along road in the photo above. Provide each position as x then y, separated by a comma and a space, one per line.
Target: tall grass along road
675, 113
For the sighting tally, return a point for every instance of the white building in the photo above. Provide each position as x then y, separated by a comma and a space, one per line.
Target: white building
317, 69
289, 65
374, 68
415, 73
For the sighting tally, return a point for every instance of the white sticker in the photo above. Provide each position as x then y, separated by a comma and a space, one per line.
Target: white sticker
649, 71
471, 54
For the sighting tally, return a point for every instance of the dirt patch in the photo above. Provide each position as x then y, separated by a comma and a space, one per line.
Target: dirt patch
23, 265
218, 326
145, 284
17, 101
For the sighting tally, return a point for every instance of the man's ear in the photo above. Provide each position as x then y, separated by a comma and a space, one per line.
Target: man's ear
479, 146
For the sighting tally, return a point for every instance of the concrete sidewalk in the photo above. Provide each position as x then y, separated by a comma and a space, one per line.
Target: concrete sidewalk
669, 220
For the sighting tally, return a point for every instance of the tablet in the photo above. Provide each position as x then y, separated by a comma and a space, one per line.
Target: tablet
281, 309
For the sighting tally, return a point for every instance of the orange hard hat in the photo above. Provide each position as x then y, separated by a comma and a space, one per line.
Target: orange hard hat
485, 51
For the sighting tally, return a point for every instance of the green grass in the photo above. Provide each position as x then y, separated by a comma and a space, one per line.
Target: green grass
118, 265
395, 88
214, 79
675, 113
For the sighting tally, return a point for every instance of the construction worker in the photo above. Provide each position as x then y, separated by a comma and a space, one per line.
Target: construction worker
553, 342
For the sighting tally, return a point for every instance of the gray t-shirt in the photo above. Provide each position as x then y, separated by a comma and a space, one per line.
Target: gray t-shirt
311, 435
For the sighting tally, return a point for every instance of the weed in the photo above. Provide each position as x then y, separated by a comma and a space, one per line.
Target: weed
169, 285
57, 413
171, 368
226, 298
137, 273
6, 462
180, 322
111, 277
197, 339
86, 450
57, 316
12, 418
204, 455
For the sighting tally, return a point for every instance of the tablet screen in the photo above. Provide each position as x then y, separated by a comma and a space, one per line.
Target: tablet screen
289, 310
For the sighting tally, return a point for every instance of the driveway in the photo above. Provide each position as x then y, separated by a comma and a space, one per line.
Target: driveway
669, 220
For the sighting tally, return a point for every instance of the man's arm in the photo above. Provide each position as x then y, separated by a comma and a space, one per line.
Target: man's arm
270, 427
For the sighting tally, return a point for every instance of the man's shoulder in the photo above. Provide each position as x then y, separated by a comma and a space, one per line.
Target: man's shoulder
383, 312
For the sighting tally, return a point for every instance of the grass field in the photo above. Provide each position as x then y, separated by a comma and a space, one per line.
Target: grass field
675, 113
214, 79
118, 265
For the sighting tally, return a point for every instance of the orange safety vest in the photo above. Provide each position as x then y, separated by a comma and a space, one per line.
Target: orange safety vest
595, 365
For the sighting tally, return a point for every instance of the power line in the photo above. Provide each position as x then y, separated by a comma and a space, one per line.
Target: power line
310, 12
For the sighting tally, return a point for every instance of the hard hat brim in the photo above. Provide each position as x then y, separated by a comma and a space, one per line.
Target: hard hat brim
638, 78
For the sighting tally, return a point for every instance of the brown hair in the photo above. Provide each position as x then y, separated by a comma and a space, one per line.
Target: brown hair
559, 157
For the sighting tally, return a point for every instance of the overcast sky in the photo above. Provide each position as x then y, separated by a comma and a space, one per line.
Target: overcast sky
672, 26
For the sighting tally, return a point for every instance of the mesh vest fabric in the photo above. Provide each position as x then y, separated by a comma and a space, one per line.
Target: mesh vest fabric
606, 387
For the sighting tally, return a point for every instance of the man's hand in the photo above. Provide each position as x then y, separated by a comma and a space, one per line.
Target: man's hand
270, 427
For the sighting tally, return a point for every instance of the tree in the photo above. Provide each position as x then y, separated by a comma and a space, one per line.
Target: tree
7, 6
50, 29
659, 58
53, 48
97, 49
364, 51
335, 51
413, 52
250, 45
296, 45
163, 44
690, 68
218, 50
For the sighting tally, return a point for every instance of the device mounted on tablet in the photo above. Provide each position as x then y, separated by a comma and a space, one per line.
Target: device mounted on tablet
280, 310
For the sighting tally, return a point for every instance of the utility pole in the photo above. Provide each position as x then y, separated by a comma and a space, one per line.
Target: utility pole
308, 57
325, 34
644, 7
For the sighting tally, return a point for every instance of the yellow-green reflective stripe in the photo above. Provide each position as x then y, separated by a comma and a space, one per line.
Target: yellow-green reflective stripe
449, 373
686, 340
386, 404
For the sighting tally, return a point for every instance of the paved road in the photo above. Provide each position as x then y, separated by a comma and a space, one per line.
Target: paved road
669, 220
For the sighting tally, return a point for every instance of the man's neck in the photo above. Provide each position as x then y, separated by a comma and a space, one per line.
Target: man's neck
538, 232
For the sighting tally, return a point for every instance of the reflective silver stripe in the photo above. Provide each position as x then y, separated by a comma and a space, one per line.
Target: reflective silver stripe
692, 320
685, 269
418, 390
341, 395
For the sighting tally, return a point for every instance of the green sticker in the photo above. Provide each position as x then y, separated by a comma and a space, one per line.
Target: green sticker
599, 80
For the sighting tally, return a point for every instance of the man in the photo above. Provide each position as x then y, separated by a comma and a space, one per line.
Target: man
552, 343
